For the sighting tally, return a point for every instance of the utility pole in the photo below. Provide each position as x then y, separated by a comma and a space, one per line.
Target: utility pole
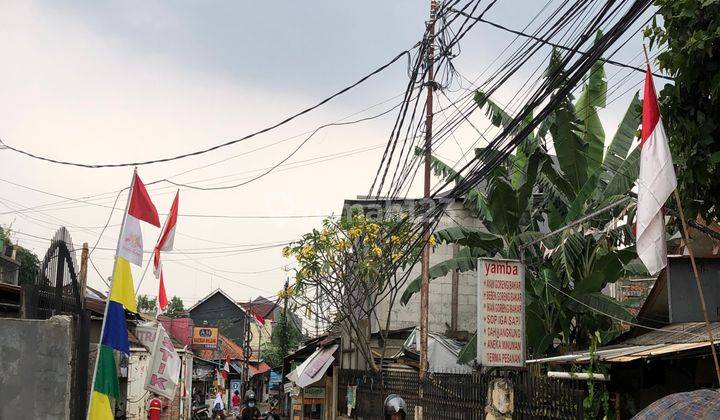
248, 349
283, 341
425, 267
83, 271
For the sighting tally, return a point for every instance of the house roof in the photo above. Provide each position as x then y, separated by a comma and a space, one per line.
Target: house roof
664, 341
228, 348
211, 294
261, 306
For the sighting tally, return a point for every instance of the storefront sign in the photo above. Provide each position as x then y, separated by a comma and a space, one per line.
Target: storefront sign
164, 369
205, 338
314, 392
235, 385
501, 313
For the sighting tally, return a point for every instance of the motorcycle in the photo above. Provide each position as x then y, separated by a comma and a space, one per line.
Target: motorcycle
200, 412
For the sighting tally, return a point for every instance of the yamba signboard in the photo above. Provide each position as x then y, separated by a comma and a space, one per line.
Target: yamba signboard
501, 313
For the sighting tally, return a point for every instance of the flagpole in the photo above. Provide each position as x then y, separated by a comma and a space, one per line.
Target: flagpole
107, 300
686, 238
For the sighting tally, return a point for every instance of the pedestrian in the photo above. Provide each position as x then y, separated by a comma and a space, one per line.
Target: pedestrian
218, 406
249, 410
154, 407
395, 408
236, 402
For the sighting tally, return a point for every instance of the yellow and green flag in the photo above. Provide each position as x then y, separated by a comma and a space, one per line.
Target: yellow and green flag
114, 336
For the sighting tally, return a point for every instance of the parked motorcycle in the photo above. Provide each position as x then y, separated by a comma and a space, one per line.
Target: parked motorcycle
200, 412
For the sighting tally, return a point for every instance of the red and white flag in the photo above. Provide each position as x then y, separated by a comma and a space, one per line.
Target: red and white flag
167, 238
655, 184
140, 208
165, 243
226, 368
162, 296
258, 318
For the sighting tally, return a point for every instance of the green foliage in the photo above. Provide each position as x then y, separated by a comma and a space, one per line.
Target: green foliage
175, 308
29, 262
146, 305
597, 402
566, 272
690, 105
285, 337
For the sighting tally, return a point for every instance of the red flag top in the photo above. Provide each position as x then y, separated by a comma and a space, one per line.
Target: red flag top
650, 108
141, 207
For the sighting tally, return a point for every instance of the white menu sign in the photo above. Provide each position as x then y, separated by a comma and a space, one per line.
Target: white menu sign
501, 313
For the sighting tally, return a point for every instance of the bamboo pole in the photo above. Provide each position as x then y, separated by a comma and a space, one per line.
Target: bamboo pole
708, 326
107, 301
686, 240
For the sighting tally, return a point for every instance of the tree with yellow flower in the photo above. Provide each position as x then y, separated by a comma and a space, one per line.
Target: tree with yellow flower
347, 267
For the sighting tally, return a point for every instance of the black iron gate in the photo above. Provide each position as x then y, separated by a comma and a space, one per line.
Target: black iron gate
56, 291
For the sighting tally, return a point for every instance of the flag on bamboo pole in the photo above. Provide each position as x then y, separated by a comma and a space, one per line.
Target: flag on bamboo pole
655, 183
162, 296
140, 208
165, 243
114, 333
226, 369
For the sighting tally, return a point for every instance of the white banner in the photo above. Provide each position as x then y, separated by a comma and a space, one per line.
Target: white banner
501, 313
164, 369
146, 334
131, 242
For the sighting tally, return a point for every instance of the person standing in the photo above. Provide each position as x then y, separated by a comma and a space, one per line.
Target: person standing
218, 408
235, 402
154, 408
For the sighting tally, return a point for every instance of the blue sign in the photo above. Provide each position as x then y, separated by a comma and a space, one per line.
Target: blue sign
275, 378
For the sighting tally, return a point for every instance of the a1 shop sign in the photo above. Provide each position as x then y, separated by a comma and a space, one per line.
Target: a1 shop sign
501, 312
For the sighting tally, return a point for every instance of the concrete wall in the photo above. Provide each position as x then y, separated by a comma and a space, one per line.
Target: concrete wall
440, 289
35, 368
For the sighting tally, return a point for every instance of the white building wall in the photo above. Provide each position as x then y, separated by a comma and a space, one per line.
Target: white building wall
440, 288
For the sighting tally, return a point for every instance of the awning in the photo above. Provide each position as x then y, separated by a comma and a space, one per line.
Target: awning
312, 369
622, 354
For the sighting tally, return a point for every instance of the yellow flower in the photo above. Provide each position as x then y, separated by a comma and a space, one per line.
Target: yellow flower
394, 239
431, 241
343, 244
286, 252
308, 251
354, 233
396, 256
377, 251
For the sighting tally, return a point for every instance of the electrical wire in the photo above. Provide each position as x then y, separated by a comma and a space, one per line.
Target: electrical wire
402, 54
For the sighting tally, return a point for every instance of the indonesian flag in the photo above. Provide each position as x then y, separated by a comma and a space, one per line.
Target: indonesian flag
167, 238
140, 208
258, 318
165, 243
655, 183
226, 368
162, 296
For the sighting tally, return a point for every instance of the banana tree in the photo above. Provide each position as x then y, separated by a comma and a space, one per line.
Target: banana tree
536, 191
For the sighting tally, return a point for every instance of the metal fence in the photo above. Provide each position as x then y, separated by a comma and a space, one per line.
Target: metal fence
463, 396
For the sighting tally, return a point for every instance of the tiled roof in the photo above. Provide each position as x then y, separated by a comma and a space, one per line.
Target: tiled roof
227, 348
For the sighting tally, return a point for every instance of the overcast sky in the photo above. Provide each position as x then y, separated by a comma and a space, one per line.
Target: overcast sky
128, 80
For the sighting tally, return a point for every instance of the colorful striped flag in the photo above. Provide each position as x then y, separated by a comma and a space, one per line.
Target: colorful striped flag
114, 335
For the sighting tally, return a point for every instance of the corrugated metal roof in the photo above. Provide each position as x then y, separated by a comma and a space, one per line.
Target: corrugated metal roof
670, 339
